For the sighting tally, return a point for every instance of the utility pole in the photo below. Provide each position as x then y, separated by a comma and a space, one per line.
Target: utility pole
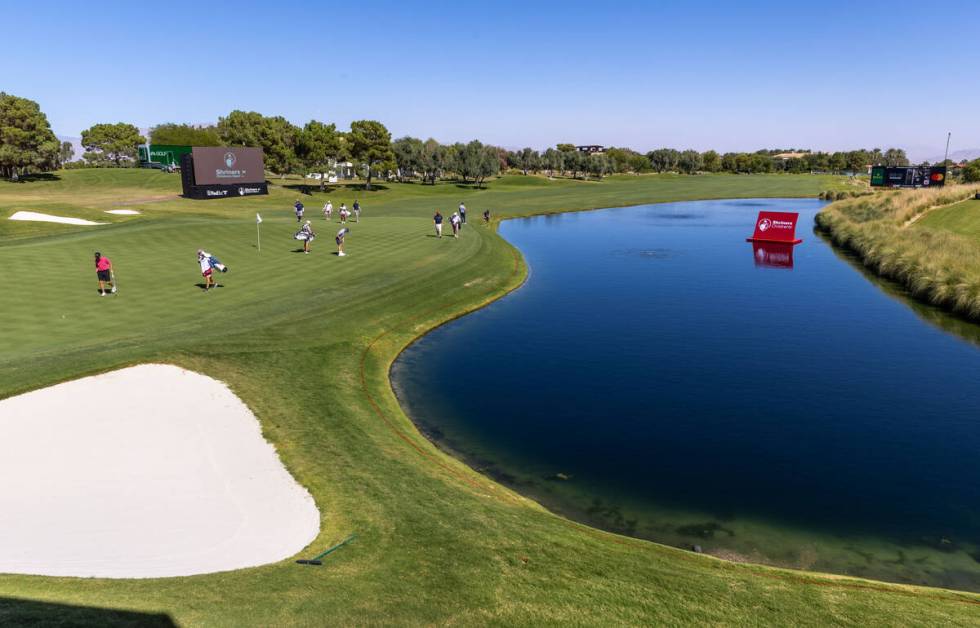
946, 158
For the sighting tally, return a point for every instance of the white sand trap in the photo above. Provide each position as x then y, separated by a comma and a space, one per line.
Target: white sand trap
122, 212
39, 217
147, 471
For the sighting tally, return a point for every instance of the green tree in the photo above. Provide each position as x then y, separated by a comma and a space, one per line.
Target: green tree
690, 161
971, 172
711, 161
895, 157
598, 165
184, 135
276, 136
113, 144
318, 145
576, 162
26, 140
469, 160
527, 159
65, 153
370, 144
408, 155
553, 160
488, 164
838, 162
664, 159
433, 160
566, 148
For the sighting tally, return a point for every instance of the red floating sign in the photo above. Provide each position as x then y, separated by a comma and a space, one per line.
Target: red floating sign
776, 227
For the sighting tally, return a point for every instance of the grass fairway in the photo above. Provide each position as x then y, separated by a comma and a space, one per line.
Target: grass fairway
962, 218
306, 342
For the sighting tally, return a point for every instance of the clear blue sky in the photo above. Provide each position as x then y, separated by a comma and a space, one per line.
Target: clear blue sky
730, 76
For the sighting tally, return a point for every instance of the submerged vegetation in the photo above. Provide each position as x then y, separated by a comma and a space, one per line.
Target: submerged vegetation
940, 266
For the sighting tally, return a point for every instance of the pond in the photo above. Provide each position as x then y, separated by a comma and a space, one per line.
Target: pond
660, 377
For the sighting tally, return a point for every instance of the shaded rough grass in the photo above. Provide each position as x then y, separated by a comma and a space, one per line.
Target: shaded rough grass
306, 342
938, 266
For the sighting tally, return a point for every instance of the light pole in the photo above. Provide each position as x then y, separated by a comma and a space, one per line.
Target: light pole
946, 157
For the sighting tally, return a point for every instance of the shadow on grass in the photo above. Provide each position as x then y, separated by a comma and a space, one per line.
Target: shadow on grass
19, 612
204, 286
33, 178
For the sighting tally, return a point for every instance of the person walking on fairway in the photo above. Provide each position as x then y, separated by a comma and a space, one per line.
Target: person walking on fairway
103, 269
307, 235
204, 259
454, 223
327, 210
437, 220
486, 216
462, 214
357, 211
340, 241
299, 210
343, 213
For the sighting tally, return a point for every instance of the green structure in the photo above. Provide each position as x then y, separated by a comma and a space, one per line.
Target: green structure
166, 154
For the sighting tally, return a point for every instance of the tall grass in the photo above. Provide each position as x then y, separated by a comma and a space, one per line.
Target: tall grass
942, 268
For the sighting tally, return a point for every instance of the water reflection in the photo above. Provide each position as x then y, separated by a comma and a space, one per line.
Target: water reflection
772, 254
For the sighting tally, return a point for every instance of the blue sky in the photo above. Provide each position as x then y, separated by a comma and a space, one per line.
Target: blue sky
730, 76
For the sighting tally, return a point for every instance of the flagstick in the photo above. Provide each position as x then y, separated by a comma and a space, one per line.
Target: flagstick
258, 237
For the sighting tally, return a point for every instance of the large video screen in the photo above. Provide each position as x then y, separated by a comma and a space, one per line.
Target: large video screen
224, 165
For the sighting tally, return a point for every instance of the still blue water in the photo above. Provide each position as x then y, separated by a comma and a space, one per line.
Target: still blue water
658, 377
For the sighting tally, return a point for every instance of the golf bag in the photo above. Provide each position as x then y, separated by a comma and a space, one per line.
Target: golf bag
216, 263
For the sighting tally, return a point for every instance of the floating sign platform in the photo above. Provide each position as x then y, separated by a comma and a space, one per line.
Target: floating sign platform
776, 227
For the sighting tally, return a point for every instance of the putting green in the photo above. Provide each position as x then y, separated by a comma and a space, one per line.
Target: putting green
305, 341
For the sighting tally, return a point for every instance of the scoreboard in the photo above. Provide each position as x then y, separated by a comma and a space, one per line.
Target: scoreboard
908, 176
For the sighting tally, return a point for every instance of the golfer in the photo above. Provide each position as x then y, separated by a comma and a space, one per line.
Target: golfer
437, 221
327, 210
299, 210
204, 259
486, 217
340, 241
462, 214
307, 235
103, 268
343, 213
454, 223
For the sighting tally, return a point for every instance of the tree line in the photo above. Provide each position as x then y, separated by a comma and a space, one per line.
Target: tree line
27, 144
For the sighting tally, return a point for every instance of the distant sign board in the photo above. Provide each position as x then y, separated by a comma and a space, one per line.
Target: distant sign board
227, 165
776, 227
167, 154
908, 176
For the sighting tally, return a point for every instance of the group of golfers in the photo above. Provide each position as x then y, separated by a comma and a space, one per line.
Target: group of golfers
209, 264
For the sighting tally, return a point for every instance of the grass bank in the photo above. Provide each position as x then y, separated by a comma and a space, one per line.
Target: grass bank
306, 342
926, 240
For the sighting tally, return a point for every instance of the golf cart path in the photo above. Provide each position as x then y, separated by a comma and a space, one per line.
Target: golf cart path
148, 471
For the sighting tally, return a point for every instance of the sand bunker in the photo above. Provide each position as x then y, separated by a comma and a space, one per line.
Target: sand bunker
148, 471
49, 218
122, 212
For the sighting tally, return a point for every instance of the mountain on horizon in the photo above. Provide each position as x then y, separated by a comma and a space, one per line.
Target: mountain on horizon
966, 154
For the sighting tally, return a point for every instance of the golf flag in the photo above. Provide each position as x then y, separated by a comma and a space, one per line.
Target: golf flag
258, 238
258, 219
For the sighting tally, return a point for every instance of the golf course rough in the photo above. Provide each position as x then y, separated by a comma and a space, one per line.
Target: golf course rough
305, 341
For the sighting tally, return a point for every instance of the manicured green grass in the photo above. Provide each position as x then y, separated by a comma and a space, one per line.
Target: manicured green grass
962, 218
306, 342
